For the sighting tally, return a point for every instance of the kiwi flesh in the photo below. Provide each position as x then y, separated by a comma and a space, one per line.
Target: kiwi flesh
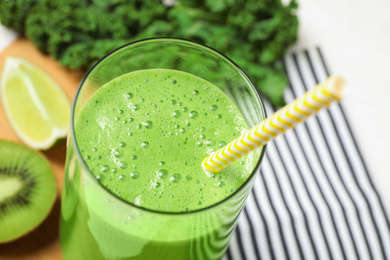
27, 190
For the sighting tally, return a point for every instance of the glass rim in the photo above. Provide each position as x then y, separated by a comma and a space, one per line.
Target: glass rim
173, 39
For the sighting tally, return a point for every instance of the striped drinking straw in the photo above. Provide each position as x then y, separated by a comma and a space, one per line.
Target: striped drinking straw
287, 117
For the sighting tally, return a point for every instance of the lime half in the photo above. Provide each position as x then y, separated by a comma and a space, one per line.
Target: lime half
34, 103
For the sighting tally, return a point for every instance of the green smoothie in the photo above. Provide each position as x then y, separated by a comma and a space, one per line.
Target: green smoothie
143, 135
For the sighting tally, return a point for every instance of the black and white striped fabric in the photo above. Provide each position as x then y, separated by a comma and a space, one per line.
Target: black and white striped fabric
313, 197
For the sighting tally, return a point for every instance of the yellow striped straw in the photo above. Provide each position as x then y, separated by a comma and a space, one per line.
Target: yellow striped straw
287, 117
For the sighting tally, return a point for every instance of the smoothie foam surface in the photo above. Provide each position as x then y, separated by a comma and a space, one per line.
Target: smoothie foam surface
144, 134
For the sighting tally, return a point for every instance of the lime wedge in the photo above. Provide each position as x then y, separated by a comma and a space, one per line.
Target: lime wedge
36, 106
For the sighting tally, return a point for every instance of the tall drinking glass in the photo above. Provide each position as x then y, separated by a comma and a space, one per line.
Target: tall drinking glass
96, 224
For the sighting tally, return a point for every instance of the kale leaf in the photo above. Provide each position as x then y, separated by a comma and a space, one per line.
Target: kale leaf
253, 33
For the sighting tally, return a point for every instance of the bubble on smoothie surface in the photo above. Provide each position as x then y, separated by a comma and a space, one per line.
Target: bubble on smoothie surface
221, 143
163, 174
221, 184
193, 114
210, 142
129, 95
134, 175
213, 107
118, 153
122, 165
105, 168
176, 113
175, 178
148, 124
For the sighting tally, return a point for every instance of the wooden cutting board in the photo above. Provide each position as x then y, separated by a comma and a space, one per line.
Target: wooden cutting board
42, 243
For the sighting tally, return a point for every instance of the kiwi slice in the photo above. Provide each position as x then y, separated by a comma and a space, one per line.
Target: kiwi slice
27, 190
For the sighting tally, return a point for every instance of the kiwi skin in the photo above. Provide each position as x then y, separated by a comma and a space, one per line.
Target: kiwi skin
28, 193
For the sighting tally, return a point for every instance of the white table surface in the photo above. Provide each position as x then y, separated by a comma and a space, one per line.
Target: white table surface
354, 36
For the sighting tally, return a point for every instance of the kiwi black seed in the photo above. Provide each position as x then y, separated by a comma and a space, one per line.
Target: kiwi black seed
27, 190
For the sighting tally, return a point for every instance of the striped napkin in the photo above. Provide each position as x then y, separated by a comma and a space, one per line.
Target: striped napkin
313, 197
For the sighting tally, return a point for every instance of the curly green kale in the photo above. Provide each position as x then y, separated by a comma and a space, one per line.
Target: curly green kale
253, 33
13, 14
55, 26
